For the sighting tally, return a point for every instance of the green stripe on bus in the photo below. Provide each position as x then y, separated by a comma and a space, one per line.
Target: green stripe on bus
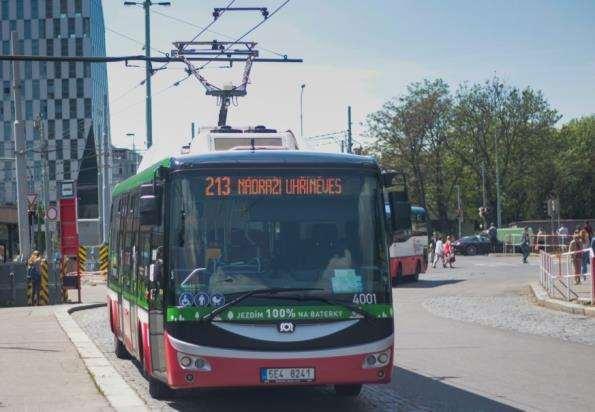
143, 177
268, 313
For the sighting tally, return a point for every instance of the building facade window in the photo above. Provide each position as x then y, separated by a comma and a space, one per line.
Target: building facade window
86, 27
35, 47
66, 170
74, 149
41, 28
49, 8
59, 154
78, 6
88, 108
64, 47
72, 70
63, 6
71, 27
5, 11
56, 26
20, 8
49, 47
79, 46
52, 169
65, 88
35, 89
80, 88
72, 104
58, 108
51, 89
34, 9
27, 29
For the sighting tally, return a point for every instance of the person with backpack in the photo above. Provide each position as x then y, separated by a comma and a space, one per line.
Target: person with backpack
34, 275
493, 235
525, 245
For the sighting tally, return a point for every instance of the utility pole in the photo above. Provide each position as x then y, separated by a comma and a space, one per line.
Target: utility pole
459, 210
483, 184
498, 207
20, 156
106, 183
146, 4
349, 139
302, 112
46, 186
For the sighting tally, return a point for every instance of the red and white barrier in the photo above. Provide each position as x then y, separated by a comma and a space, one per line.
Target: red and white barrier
557, 276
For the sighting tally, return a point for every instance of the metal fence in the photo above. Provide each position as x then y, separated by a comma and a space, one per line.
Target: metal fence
559, 276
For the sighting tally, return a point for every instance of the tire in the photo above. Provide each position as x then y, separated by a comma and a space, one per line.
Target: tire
415, 276
159, 390
471, 250
348, 390
120, 349
397, 279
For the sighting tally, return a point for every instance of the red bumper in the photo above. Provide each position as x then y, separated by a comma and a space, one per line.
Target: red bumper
228, 371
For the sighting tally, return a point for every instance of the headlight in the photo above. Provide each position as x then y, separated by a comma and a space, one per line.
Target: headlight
193, 363
377, 360
185, 361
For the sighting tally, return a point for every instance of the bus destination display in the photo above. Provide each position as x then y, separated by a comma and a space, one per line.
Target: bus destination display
218, 186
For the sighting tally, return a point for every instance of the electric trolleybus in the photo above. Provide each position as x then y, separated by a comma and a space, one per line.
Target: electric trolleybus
255, 265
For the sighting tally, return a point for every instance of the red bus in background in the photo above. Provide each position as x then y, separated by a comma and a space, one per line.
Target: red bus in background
408, 249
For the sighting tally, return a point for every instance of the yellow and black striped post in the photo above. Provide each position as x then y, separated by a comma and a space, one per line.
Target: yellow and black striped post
29, 292
82, 258
103, 259
44, 291
63, 268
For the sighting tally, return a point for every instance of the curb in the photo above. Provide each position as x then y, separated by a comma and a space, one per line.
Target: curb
111, 384
541, 298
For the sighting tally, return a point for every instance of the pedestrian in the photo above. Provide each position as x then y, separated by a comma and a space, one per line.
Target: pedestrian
432, 248
525, 244
585, 244
589, 230
575, 255
439, 252
493, 235
34, 275
563, 233
541, 240
449, 253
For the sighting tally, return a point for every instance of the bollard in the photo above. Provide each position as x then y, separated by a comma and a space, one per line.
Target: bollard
103, 259
82, 258
29, 292
44, 292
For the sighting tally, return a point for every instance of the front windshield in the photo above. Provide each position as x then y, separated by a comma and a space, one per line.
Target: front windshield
231, 234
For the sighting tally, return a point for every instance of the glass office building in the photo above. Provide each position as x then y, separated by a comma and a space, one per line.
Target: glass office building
70, 97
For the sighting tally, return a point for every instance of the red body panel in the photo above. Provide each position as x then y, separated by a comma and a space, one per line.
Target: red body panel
246, 372
408, 265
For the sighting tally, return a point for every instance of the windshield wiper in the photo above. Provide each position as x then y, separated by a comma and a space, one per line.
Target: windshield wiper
258, 292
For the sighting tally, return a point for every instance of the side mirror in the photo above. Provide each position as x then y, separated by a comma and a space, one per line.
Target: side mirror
149, 211
400, 212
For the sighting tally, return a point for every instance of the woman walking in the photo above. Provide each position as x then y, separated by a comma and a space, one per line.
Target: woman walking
449, 252
585, 244
525, 245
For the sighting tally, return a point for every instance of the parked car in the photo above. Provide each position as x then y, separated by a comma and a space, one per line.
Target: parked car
473, 245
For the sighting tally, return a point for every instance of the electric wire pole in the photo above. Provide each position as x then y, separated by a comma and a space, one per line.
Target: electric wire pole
349, 140
146, 4
20, 156
45, 194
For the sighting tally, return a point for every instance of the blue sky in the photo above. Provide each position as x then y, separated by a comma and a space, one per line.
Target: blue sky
357, 53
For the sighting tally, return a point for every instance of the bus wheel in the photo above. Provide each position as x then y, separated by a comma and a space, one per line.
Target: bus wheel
120, 349
348, 390
417, 271
158, 389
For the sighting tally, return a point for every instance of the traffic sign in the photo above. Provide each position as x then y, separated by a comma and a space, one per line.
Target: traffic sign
52, 213
31, 198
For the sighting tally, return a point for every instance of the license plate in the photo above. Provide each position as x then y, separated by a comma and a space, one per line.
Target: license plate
281, 375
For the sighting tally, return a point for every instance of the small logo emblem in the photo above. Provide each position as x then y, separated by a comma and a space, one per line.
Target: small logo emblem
217, 299
186, 299
286, 327
202, 299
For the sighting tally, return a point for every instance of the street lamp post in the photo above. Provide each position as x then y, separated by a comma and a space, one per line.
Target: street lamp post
302, 87
133, 135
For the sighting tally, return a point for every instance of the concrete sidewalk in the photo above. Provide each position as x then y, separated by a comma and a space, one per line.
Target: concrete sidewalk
40, 369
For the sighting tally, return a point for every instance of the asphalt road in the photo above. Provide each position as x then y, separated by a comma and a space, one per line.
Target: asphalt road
467, 339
